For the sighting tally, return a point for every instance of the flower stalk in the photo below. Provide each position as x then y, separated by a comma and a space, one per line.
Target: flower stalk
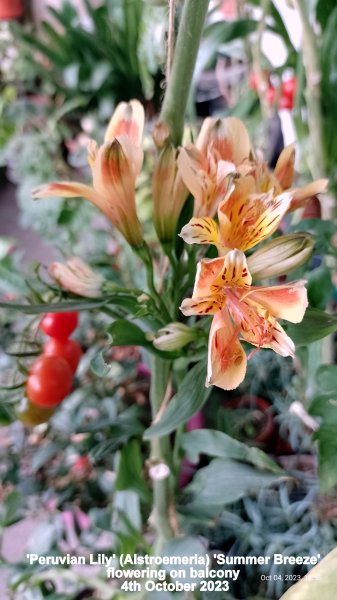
160, 455
185, 55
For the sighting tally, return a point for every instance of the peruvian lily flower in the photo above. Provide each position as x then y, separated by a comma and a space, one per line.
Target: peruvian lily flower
241, 312
77, 277
169, 195
205, 167
115, 166
245, 219
282, 178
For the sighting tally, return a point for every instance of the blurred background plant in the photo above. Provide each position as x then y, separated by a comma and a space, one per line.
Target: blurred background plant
59, 83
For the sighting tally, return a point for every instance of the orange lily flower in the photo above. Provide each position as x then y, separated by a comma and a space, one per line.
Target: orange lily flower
282, 178
115, 166
205, 167
245, 218
241, 312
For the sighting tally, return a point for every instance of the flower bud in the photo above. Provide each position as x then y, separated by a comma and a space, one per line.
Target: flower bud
169, 195
281, 255
174, 336
77, 277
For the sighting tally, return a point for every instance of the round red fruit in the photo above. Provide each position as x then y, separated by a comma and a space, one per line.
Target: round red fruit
49, 381
59, 325
69, 349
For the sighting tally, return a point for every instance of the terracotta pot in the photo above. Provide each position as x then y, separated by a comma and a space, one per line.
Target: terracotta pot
10, 9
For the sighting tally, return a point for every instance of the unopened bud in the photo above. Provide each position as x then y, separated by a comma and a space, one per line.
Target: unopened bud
174, 336
169, 195
281, 255
77, 277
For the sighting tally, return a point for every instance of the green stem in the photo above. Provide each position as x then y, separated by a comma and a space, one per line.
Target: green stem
160, 453
313, 92
185, 55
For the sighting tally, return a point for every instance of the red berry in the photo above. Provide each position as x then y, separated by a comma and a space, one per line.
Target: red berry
59, 325
69, 349
49, 381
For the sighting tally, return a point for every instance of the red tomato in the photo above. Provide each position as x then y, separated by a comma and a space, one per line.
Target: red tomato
49, 381
59, 325
70, 350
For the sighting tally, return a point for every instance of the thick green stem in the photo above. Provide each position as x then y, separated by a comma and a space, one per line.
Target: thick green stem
160, 454
185, 55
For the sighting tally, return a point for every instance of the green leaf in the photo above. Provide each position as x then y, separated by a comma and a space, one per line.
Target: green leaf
65, 306
320, 287
316, 325
130, 474
44, 454
98, 365
7, 415
319, 584
126, 503
324, 9
326, 437
223, 482
190, 398
11, 509
326, 379
217, 443
126, 333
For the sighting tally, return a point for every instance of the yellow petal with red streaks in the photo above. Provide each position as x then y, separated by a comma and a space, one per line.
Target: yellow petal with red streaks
227, 360
284, 169
207, 272
246, 220
200, 306
201, 231
288, 301
127, 119
234, 272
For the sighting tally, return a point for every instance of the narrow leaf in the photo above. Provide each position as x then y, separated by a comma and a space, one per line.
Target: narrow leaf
217, 443
190, 398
